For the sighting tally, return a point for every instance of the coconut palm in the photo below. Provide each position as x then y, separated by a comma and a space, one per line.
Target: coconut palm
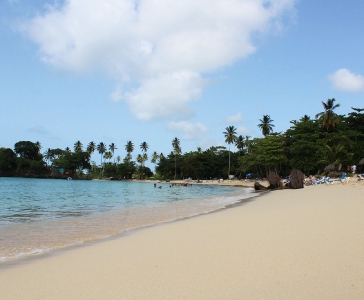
129, 147
240, 143
144, 146
266, 126
108, 155
328, 118
230, 137
176, 150
112, 148
91, 148
101, 148
48, 155
154, 159
77, 146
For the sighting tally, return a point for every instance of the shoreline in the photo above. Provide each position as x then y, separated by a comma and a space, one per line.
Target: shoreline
24, 258
291, 243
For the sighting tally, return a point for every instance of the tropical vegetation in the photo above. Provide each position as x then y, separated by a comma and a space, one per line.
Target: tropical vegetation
327, 143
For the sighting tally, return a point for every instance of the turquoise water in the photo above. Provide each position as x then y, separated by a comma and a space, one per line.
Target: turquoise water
41, 215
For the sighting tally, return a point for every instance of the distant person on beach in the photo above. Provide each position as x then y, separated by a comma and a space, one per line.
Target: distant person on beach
353, 168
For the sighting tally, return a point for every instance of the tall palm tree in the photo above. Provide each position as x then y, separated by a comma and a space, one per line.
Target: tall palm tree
129, 147
328, 118
230, 137
101, 148
176, 150
112, 148
78, 146
266, 126
108, 155
91, 148
154, 159
144, 146
240, 143
48, 155
247, 143
139, 159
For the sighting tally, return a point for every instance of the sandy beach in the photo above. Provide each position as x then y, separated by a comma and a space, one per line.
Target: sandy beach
287, 244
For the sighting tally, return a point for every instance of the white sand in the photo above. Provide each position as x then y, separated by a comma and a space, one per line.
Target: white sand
290, 244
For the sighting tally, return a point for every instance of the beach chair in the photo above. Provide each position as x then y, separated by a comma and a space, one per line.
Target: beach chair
328, 181
360, 177
343, 178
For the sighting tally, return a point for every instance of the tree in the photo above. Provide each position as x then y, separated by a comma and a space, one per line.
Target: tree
230, 137
129, 147
266, 125
176, 150
101, 148
155, 157
144, 146
108, 155
28, 150
112, 148
328, 118
48, 155
91, 148
239, 143
78, 146
8, 161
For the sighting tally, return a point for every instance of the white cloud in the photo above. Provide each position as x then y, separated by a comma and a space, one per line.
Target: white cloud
345, 80
190, 131
162, 46
235, 119
241, 130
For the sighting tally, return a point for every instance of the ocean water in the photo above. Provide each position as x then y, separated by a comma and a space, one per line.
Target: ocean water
42, 215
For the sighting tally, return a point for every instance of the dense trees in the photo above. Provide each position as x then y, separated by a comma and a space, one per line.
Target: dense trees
328, 142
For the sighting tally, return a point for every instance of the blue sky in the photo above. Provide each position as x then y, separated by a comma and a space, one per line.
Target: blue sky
119, 70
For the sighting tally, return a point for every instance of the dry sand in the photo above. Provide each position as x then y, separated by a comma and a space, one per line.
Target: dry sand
289, 244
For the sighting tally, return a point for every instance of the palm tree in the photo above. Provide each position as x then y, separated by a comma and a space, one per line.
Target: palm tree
199, 150
247, 143
78, 146
101, 148
91, 148
154, 159
118, 158
68, 149
161, 156
140, 160
129, 147
230, 137
239, 143
108, 155
266, 126
144, 146
48, 155
112, 148
177, 150
328, 118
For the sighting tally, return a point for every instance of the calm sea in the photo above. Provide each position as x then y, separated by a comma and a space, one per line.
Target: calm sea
41, 215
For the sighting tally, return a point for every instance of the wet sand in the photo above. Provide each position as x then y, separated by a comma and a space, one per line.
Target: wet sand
288, 244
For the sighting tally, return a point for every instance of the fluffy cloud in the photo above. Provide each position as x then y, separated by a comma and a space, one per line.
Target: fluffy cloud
161, 47
345, 80
235, 119
190, 131
241, 130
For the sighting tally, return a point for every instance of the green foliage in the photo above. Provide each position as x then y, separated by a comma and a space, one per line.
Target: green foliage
8, 161
28, 150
